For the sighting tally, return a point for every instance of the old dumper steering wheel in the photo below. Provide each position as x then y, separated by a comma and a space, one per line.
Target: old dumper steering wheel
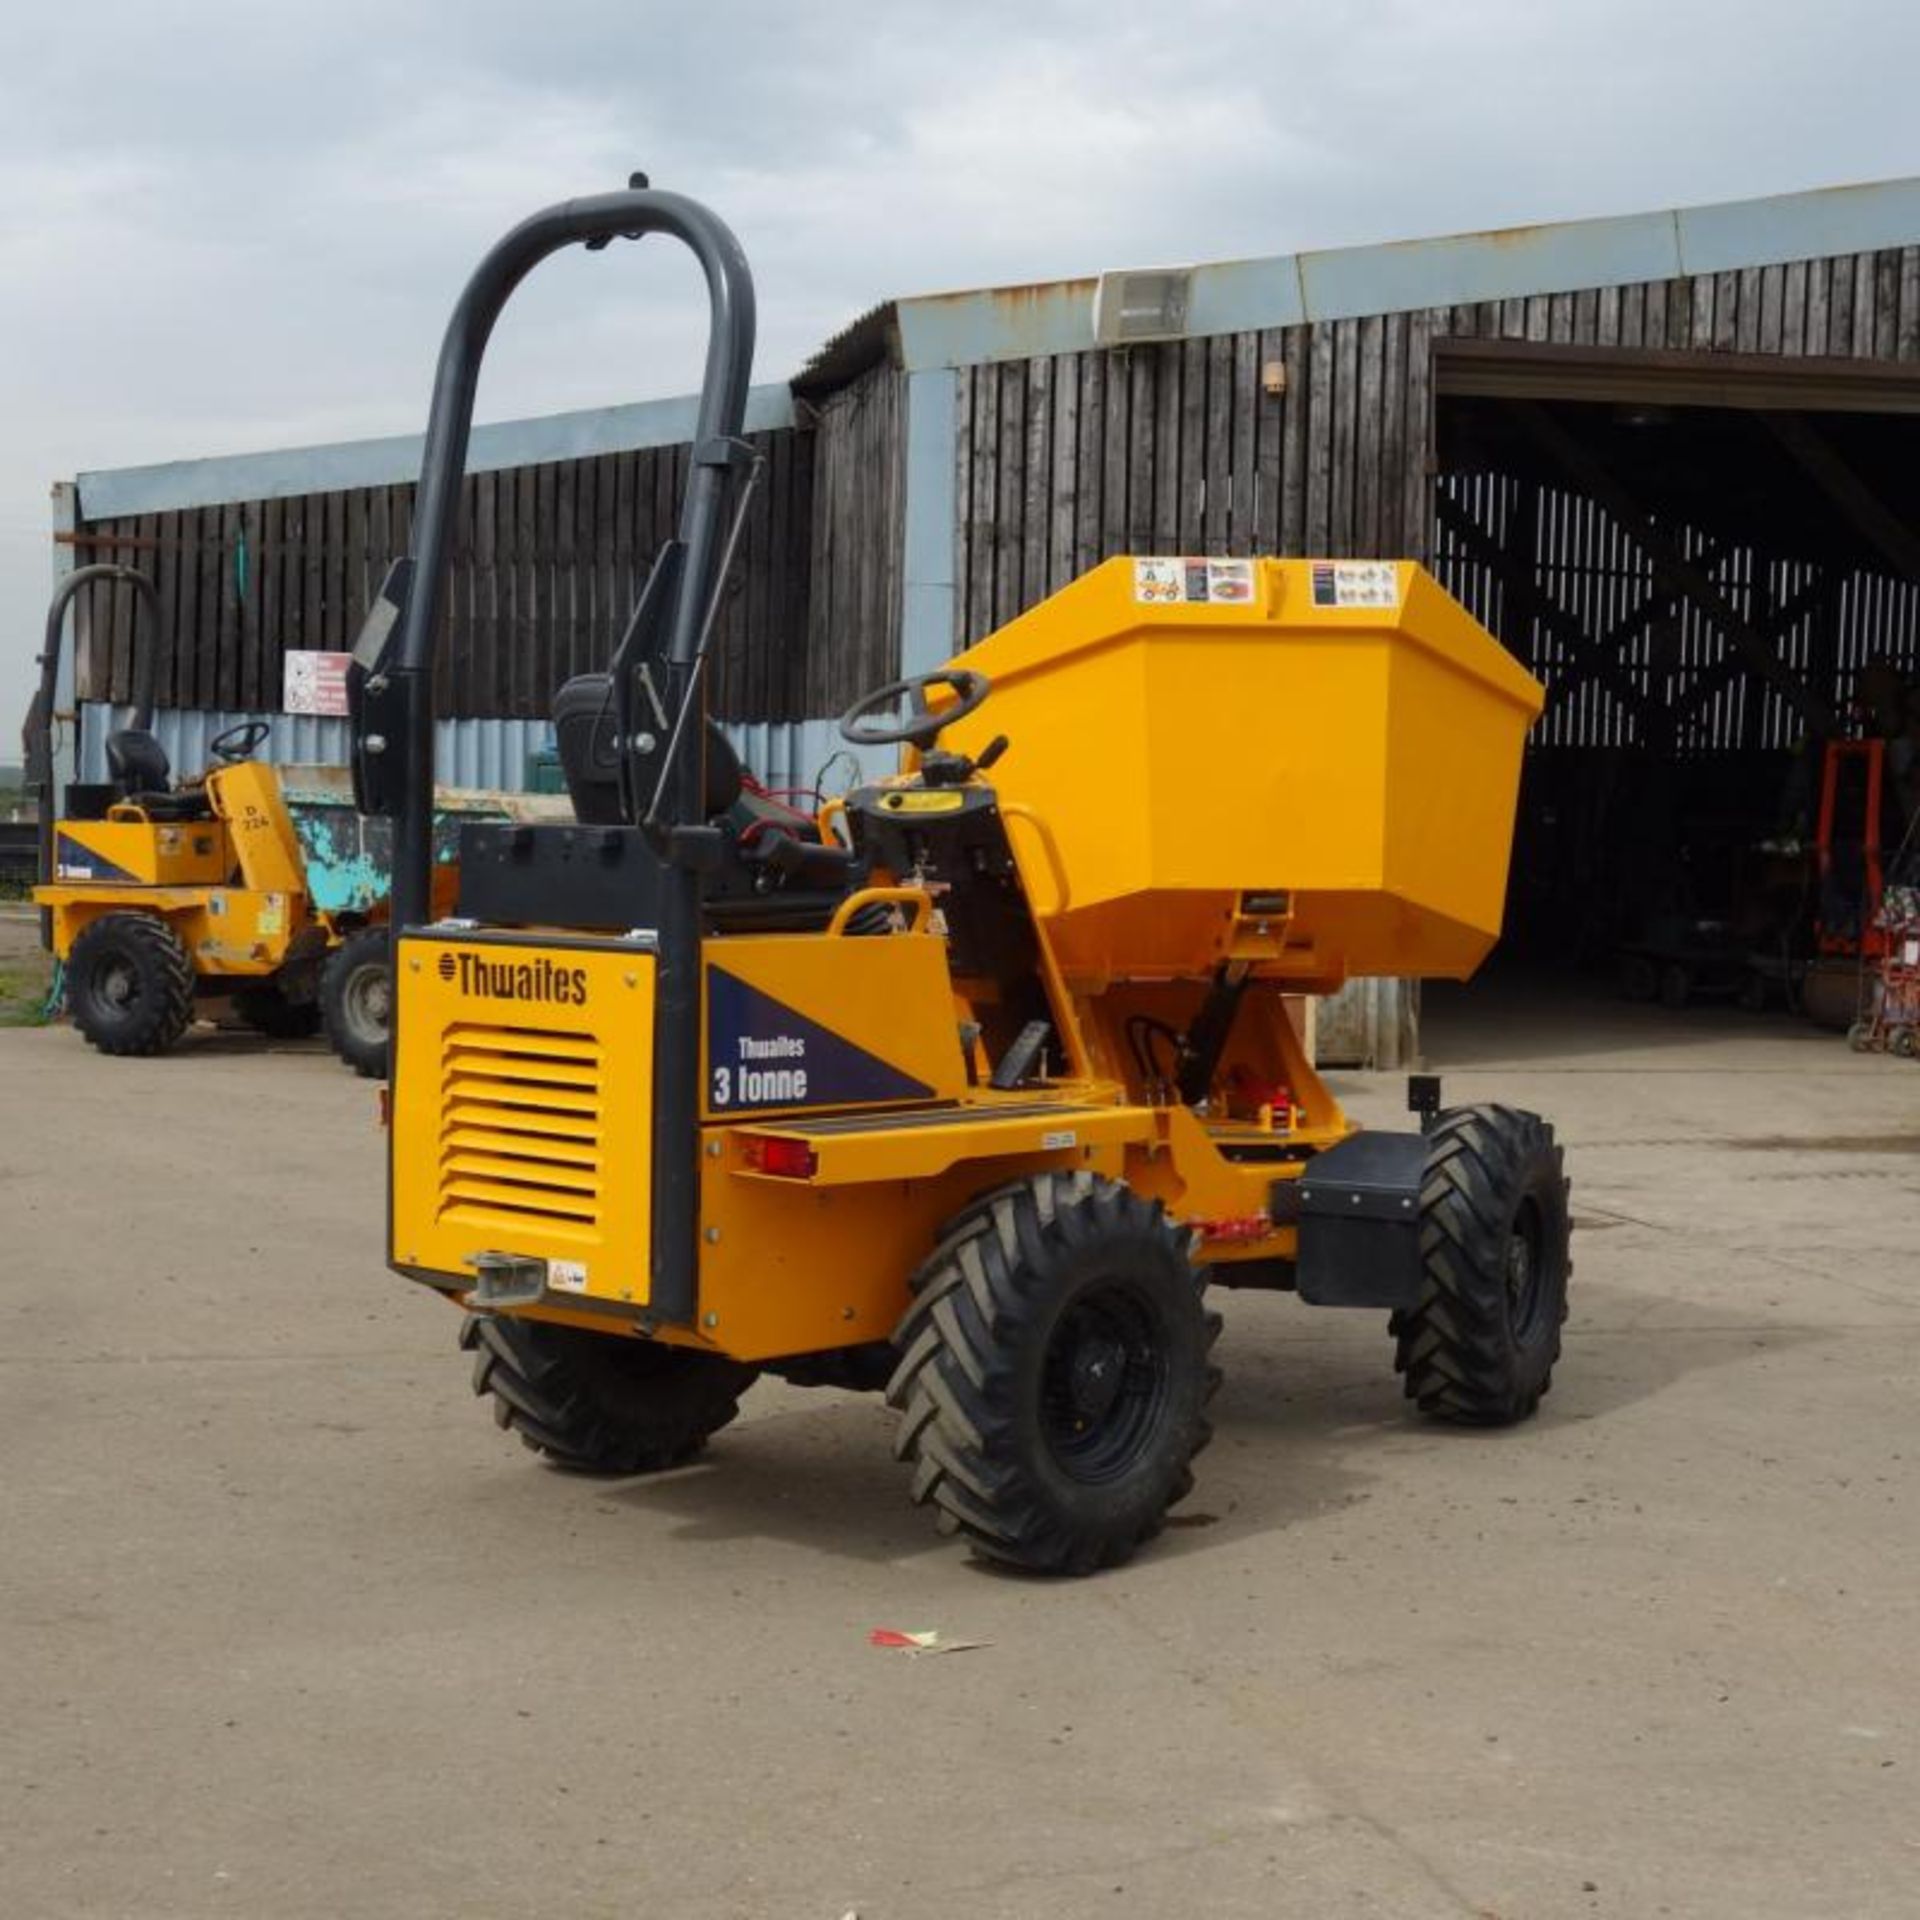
237, 742
872, 721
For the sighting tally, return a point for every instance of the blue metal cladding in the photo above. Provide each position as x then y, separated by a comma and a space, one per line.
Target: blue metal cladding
487, 755
926, 616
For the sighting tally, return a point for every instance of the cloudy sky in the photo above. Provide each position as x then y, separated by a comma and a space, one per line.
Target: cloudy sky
229, 226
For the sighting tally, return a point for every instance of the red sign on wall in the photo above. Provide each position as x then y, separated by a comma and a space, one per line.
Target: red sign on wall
316, 683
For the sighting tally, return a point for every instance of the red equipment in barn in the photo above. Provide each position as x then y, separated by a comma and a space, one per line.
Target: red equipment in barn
1891, 1020
1849, 937
1851, 873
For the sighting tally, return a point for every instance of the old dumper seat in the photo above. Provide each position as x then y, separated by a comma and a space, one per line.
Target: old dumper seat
142, 776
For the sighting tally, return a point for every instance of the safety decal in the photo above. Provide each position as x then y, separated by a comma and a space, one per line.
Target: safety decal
1356, 583
762, 1054
1163, 581
74, 860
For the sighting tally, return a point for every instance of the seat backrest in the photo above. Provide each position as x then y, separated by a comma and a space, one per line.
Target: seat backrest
583, 736
136, 762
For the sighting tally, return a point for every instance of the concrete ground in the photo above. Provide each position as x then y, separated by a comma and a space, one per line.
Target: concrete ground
289, 1629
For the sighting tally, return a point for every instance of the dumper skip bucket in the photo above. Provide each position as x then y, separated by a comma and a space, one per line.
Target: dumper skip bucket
1333, 745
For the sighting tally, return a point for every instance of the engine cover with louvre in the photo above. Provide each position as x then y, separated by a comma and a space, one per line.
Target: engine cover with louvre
525, 1060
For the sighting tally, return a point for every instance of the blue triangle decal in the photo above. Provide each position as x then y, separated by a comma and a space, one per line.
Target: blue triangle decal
75, 860
763, 1055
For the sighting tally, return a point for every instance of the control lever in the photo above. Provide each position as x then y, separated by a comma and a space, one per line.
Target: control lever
1016, 1065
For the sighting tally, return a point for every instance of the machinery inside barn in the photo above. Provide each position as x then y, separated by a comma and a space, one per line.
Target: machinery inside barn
1717, 579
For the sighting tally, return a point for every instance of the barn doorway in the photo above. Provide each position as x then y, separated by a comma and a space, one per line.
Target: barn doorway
1714, 564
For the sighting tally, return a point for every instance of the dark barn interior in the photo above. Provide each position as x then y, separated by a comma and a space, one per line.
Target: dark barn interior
1711, 565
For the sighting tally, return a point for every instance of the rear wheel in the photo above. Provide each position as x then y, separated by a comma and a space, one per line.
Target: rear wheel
1054, 1374
602, 1402
267, 1009
1480, 1346
356, 998
130, 984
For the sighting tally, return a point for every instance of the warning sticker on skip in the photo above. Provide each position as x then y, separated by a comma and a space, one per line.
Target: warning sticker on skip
1356, 583
1163, 581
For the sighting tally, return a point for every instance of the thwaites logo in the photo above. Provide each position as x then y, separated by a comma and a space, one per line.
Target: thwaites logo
542, 979
762, 1053
770, 1073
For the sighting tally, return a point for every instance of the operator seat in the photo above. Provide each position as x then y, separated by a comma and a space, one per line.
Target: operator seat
138, 767
583, 735
789, 873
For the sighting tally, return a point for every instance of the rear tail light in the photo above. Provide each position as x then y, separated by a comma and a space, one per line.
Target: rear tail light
783, 1158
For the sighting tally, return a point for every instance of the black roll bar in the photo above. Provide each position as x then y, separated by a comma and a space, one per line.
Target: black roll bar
392, 687
37, 736
723, 397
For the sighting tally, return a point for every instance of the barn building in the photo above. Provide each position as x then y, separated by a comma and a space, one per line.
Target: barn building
1667, 458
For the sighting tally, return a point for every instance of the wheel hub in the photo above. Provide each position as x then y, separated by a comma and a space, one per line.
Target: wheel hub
1098, 1373
119, 986
1105, 1383
1523, 1270
371, 995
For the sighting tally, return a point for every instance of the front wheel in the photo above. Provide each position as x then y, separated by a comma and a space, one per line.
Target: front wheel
268, 1010
1054, 1374
356, 1000
1495, 1239
130, 984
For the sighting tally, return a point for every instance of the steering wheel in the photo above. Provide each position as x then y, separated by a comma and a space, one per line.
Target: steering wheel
871, 723
237, 742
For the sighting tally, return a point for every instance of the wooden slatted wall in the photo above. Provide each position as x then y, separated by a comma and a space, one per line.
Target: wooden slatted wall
547, 563
859, 523
1178, 448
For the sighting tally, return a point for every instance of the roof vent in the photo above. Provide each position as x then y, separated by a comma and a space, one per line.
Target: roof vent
1142, 303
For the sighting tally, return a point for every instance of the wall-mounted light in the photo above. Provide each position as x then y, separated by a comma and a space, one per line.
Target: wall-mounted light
1273, 378
1141, 303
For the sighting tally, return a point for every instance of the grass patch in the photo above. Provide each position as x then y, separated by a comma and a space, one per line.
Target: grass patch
24, 980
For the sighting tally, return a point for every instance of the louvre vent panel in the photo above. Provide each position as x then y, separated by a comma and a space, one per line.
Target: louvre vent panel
520, 1128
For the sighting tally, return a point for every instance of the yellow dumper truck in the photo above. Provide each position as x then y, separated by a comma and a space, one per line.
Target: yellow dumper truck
974, 1088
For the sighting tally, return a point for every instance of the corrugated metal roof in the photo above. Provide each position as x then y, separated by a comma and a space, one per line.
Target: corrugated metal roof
114, 493
1234, 296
